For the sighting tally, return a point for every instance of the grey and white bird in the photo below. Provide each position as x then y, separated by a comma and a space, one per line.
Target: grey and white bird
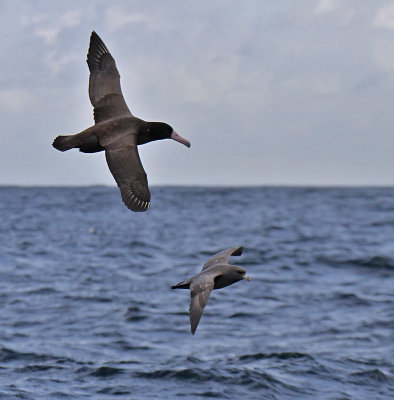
116, 130
215, 274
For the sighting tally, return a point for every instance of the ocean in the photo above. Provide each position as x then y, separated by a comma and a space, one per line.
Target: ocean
87, 311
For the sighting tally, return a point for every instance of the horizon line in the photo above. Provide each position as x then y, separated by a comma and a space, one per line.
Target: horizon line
214, 186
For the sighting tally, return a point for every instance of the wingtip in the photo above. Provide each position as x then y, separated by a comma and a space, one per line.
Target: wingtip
140, 206
96, 50
238, 251
133, 202
94, 36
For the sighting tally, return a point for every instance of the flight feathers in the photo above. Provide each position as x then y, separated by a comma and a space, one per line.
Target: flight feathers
97, 49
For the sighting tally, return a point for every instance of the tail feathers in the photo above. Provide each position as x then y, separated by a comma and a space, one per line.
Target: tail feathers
181, 285
63, 143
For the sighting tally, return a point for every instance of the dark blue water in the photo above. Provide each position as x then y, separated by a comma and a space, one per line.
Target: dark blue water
87, 311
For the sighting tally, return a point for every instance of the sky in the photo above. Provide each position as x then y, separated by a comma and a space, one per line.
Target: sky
268, 92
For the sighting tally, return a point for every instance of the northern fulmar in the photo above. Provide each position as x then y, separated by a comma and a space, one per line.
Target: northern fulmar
215, 274
116, 129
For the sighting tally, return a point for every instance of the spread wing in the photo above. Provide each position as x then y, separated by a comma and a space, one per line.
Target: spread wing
200, 289
222, 257
104, 82
126, 167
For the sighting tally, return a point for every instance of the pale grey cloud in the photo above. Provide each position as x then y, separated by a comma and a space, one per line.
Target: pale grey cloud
268, 92
15, 101
326, 6
117, 17
384, 57
385, 16
49, 28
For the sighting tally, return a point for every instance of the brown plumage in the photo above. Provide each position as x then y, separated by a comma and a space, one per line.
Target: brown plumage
116, 131
215, 274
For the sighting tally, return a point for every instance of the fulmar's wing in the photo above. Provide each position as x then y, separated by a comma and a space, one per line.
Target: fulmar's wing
222, 257
200, 289
125, 166
104, 82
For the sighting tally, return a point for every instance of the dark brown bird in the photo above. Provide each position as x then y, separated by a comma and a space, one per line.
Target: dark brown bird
116, 131
215, 274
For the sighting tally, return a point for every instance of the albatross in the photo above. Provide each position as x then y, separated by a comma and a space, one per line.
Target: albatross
116, 130
216, 273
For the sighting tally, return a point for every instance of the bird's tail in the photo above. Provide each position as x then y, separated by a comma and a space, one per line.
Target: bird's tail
63, 143
182, 285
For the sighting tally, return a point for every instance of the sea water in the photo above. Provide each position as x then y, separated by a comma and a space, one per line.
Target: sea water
87, 311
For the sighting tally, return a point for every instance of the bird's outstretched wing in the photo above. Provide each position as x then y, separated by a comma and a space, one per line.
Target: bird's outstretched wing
104, 82
126, 167
200, 289
223, 256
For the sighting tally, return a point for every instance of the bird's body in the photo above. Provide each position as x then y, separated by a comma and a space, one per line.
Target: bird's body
215, 274
116, 131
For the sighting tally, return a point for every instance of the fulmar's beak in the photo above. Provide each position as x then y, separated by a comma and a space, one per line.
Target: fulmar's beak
178, 138
246, 277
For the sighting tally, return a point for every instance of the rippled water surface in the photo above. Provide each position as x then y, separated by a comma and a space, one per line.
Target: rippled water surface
87, 311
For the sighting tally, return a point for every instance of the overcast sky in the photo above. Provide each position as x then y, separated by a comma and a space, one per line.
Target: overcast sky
268, 92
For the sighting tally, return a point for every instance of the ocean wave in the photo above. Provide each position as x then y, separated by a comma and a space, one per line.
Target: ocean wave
227, 376
107, 371
242, 315
9, 355
37, 368
115, 391
130, 347
351, 298
371, 376
189, 374
42, 291
211, 395
374, 261
138, 244
92, 298
134, 314
279, 356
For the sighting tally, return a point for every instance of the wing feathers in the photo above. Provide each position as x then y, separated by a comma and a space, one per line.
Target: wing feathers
200, 290
223, 256
104, 82
97, 49
125, 166
131, 198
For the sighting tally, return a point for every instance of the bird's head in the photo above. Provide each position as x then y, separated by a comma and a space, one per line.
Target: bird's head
161, 130
239, 273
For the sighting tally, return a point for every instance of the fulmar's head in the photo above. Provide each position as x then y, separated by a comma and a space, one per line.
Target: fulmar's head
238, 273
161, 130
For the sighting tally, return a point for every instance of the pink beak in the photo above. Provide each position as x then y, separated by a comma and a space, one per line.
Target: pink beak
178, 138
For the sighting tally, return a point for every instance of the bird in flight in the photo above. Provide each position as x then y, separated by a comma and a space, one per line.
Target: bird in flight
215, 274
116, 130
